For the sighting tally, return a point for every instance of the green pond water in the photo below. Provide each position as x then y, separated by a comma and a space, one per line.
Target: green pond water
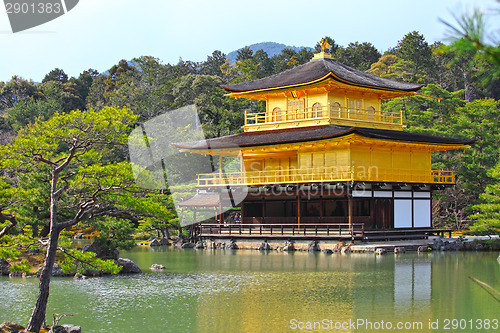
251, 291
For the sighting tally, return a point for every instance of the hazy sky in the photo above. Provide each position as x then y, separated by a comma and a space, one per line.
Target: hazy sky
98, 33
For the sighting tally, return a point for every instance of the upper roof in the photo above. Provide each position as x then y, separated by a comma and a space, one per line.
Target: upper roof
314, 133
318, 70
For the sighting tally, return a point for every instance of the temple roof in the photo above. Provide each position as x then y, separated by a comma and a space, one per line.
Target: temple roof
202, 200
315, 133
321, 69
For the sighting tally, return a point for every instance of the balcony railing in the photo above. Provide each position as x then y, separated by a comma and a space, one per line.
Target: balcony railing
326, 174
326, 112
280, 230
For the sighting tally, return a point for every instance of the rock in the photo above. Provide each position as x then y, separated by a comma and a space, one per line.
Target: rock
154, 242
188, 245
58, 329
480, 247
338, 247
327, 251
437, 244
178, 243
93, 272
10, 327
163, 242
423, 248
56, 271
78, 235
380, 251
4, 267
155, 267
265, 246
457, 246
199, 245
313, 246
345, 250
232, 245
72, 328
289, 246
129, 267
498, 259
101, 249
214, 245
79, 276
399, 249
17, 274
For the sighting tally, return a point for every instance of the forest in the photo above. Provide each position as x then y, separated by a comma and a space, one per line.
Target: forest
63, 141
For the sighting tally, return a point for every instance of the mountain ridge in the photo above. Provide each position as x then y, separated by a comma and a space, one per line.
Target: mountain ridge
271, 48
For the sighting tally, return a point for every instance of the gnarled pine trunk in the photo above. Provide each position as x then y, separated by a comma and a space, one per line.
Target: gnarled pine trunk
38, 315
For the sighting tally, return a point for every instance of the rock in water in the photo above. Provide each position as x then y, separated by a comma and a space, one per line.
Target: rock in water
11, 327
313, 246
338, 247
327, 251
232, 245
199, 245
154, 242
56, 271
380, 251
58, 329
164, 242
188, 245
79, 276
423, 248
399, 250
72, 328
129, 267
66, 329
265, 247
345, 250
289, 246
155, 267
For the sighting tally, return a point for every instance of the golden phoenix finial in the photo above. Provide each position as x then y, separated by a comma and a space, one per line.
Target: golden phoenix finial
324, 44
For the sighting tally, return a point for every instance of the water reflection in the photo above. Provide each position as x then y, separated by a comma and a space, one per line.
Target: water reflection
250, 291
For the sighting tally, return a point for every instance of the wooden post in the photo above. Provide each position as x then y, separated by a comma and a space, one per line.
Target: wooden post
298, 209
220, 169
349, 209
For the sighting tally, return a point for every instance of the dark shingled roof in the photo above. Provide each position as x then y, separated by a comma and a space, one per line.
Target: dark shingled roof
302, 134
317, 69
202, 200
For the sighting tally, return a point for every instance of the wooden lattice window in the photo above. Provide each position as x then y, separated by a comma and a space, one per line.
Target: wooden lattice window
317, 110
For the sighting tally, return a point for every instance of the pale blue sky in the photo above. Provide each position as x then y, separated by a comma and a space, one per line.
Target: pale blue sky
98, 33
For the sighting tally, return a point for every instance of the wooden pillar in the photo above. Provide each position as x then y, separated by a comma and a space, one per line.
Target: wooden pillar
298, 209
221, 214
220, 168
349, 210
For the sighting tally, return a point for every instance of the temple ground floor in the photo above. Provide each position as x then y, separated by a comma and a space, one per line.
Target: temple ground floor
343, 211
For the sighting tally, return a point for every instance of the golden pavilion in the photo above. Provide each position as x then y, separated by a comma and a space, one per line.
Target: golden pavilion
324, 161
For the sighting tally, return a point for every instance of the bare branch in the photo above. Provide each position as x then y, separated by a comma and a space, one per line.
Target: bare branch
12, 223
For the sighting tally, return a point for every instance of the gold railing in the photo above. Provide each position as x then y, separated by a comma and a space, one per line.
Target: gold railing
331, 112
326, 174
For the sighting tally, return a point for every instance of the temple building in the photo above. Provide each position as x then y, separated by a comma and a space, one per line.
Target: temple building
324, 160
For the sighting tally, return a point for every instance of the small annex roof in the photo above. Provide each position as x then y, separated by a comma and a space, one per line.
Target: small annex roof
202, 200
314, 133
318, 70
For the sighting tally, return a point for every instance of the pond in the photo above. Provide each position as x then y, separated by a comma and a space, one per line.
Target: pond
252, 291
